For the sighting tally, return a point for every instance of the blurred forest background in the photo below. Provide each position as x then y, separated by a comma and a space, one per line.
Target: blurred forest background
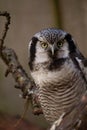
27, 18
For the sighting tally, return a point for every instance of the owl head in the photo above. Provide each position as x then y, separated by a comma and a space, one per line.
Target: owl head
50, 45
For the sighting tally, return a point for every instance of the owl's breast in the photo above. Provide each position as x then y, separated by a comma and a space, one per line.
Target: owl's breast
58, 90
44, 76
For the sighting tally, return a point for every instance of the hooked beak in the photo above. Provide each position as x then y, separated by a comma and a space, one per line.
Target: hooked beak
52, 50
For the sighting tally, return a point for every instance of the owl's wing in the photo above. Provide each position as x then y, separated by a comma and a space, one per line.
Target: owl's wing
81, 63
83, 66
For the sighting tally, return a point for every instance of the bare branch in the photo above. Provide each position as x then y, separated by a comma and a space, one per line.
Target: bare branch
23, 82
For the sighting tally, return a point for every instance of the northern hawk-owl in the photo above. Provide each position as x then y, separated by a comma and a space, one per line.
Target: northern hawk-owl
55, 65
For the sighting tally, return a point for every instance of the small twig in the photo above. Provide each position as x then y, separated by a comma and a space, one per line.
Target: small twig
7, 15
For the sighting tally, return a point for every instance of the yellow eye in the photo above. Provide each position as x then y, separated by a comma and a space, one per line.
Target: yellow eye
44, 45
59, 44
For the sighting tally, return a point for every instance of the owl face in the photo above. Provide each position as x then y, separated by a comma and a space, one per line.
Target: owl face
49, 45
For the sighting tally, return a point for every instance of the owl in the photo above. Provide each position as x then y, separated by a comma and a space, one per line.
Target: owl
56, 65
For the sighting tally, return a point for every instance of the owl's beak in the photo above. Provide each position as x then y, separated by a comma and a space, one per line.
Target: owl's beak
52, 50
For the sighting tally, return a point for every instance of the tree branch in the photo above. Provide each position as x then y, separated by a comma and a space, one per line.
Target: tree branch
6, 27
23, 82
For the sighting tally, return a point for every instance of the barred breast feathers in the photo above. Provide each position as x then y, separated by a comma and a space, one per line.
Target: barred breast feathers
58, 90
